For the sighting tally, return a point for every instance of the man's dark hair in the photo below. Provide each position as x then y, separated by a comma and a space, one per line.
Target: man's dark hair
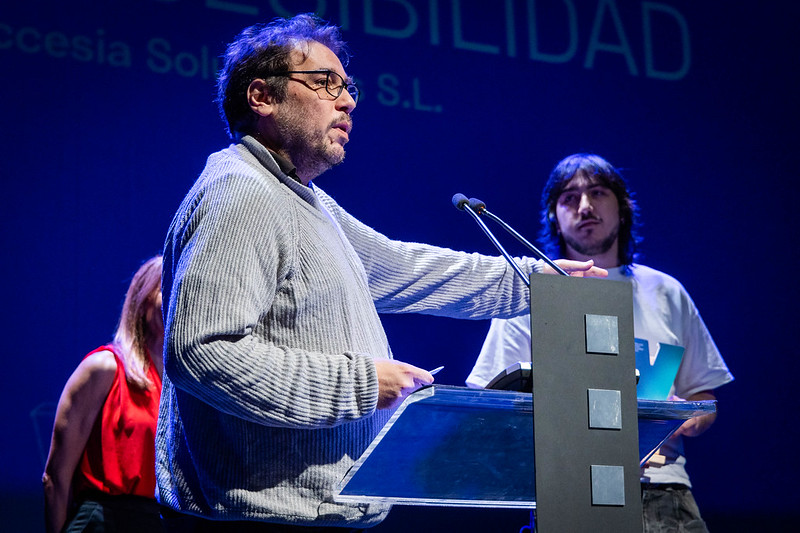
601, 171
263, 49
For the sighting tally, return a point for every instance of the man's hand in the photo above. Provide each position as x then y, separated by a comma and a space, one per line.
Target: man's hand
699, 424
397, 380
578, 269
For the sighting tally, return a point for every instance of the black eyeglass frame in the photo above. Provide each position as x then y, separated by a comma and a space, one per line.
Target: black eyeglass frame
352, 88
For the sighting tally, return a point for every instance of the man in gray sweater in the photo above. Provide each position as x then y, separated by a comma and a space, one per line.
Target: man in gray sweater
278, 373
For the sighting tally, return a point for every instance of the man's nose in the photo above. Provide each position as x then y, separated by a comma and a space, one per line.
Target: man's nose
345, 102
585, 205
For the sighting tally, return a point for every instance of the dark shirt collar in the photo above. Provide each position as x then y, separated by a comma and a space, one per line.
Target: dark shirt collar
285, 165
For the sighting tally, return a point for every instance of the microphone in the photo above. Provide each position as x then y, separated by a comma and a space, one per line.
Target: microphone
480, 208
462, 203
477, 205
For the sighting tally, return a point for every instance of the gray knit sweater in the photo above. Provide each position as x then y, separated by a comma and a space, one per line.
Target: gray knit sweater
271, 294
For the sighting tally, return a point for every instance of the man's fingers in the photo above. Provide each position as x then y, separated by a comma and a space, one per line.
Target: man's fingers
396, 380
580, 269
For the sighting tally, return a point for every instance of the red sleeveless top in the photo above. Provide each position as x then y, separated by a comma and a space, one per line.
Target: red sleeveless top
120, 454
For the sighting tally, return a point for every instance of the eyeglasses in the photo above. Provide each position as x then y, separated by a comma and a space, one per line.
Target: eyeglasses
332, 82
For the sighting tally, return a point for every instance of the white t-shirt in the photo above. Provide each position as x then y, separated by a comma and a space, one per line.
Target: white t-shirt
663, 312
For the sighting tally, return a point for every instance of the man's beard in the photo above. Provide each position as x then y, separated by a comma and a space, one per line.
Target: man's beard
594, 248
310, 151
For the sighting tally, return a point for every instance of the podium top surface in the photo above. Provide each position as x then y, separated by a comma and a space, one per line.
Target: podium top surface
523, 401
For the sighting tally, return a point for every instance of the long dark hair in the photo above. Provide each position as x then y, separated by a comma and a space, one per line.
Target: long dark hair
603, 172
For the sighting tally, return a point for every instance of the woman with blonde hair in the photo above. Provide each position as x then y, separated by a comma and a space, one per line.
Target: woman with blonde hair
100, 472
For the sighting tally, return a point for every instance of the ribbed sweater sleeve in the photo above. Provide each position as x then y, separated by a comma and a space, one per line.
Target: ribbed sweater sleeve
408, 277
232, 338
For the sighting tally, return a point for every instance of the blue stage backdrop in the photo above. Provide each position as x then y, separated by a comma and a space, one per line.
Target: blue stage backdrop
108, 116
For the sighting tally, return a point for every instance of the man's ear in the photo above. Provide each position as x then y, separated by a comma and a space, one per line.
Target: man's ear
259, 98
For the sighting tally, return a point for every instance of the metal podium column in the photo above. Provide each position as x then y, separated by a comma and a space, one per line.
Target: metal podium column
585, 422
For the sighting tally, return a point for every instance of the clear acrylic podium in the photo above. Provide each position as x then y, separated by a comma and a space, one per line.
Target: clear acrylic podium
455, 446
579, 468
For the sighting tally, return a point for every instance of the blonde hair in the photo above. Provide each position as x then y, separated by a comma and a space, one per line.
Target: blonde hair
133, 332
